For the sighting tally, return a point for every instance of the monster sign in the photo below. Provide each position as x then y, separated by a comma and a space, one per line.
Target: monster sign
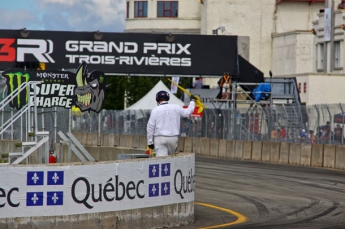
90, 89
59, 88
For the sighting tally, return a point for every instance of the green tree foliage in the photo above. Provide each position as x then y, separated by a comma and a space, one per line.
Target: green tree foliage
136, 88
115, 93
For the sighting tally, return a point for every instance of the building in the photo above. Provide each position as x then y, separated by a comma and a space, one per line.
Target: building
279, 32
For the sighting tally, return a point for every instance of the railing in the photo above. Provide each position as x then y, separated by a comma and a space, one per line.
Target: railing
255, 123
22, 90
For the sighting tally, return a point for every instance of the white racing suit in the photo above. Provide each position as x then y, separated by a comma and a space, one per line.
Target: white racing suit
163, 127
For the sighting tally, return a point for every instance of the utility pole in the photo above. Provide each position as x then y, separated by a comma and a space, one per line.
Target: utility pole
329, 19
324, 38
331, 61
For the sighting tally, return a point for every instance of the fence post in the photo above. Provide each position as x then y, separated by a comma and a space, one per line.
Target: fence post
318, 124
342, 126
99, 129
331, 122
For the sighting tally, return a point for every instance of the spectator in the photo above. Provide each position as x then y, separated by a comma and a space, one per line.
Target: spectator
282, 133
326, 133
302, 135
198, 83
226, 84
212, 132
274, 134
312, 137
338, 134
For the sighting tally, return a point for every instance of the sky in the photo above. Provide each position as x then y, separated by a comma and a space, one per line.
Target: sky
63, 15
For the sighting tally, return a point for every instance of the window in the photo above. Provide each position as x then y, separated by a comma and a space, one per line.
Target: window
336, 54
167, 9
140, 9
321, 57
127, 9
317, 57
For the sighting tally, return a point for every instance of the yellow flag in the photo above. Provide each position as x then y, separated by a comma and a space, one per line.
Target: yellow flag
149, 151
198, 102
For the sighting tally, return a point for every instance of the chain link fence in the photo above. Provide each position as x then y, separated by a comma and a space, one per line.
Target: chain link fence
323, 124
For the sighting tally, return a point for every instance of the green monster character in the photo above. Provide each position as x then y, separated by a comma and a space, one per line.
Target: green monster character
89, 93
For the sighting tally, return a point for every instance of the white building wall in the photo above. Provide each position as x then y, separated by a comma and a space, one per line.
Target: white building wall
188, 20
339, 35
321, 88
293, 52
258, 20
243, 18
278, 33
292, 16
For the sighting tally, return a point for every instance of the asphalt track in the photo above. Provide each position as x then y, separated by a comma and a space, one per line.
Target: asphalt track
247, 194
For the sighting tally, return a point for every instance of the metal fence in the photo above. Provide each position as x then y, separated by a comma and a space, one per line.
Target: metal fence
49, 119
282, 123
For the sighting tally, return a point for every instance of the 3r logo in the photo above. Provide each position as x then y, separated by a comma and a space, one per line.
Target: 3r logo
7, 52
40, 49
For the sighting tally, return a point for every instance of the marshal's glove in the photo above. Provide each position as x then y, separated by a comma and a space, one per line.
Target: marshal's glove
151, 146
193, 98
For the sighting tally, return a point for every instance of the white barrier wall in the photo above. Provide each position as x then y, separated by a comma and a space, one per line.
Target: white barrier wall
61, 189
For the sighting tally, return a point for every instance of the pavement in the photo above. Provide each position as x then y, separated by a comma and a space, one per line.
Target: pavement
246, 194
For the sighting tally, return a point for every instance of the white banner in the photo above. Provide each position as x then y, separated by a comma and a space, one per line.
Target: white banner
78, 189
174, 79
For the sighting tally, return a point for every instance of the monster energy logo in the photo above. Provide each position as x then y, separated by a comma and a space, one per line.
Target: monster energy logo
14, 81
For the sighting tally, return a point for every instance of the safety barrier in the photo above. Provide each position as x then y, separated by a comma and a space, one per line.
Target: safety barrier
318, 155
137, 193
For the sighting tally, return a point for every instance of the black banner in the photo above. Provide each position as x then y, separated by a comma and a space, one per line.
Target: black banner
58, 88
121, 52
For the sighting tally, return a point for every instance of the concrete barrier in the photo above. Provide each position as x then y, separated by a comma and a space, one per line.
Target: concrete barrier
317, 155
105, 139
295, 154
180, 147
205, 146
281, 152
256, 151
230, 149
305, 154
329, 156
284, 153
214, 147
221, 148
116, 140
197, 145
340, 157
247, 150
266, 151
126, 141
142, 141
136, 141
238, 149
188, 144
162, 211
275, 152
91, 139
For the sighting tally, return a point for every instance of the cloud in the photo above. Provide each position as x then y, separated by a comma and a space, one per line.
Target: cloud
85, 15
67, 15
17, 19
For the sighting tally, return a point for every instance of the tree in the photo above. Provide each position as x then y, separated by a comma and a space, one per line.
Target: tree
133, 89
114, 99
